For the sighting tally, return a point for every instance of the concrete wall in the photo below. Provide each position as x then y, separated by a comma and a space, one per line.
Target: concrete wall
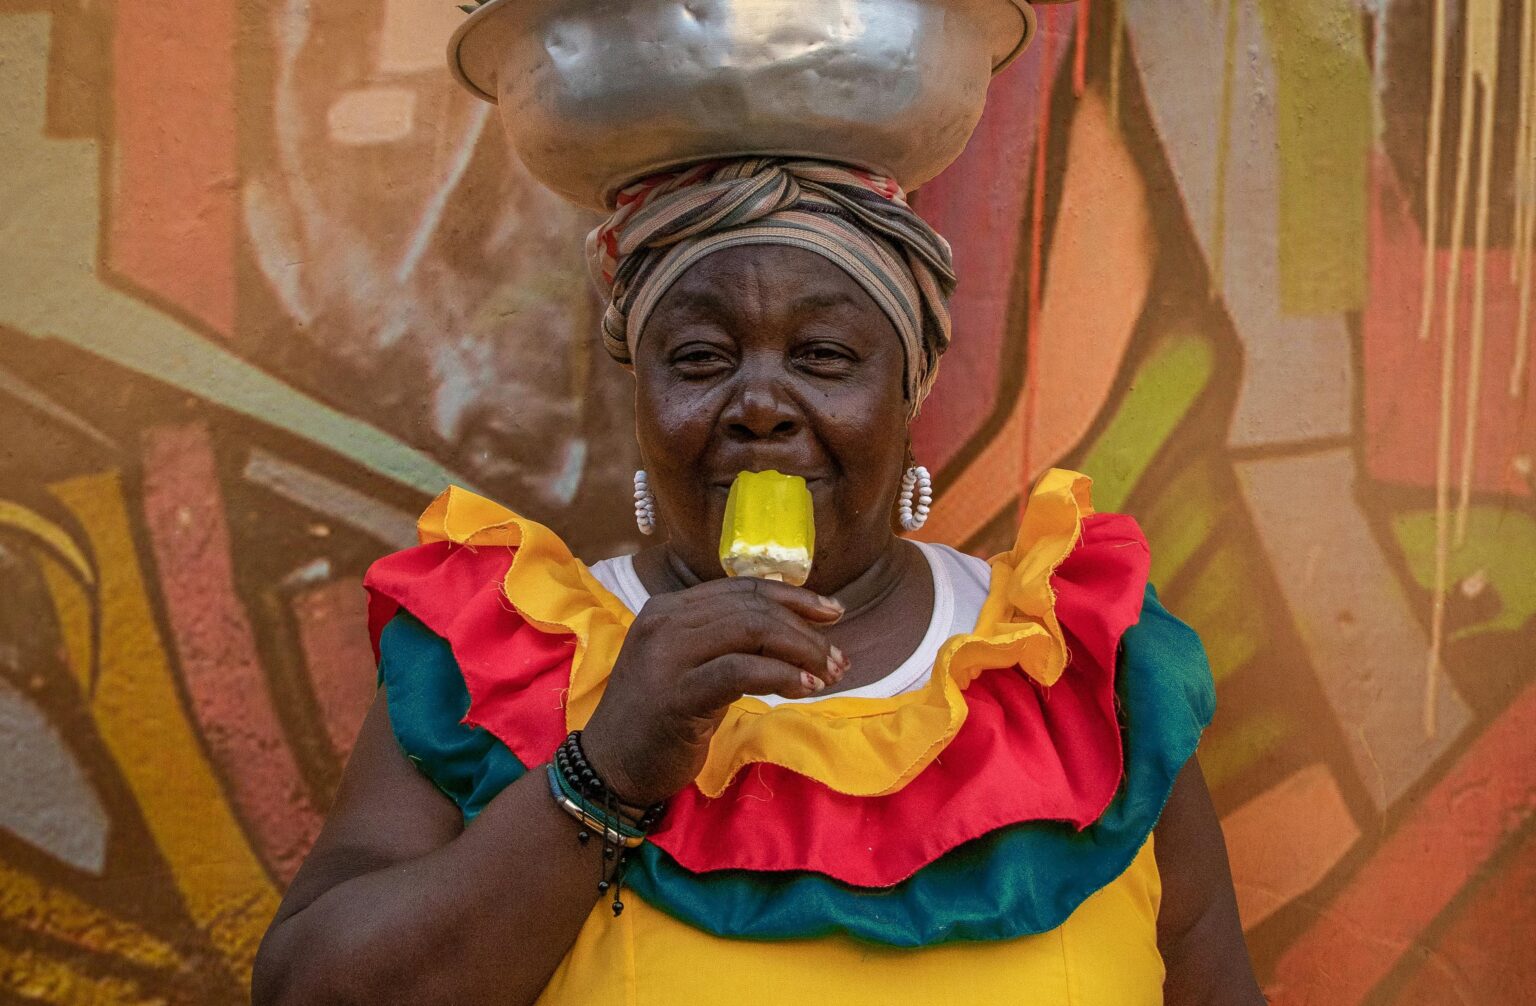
267, 282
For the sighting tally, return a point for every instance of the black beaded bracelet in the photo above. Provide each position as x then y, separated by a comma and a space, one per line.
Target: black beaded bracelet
580, 792
574, 767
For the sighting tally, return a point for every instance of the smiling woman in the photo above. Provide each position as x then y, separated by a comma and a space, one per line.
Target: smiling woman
919, 778
962, 762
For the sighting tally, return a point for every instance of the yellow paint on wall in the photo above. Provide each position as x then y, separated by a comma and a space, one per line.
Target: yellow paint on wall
33, 975
139, 714
40, 908
1479, 76
18, 516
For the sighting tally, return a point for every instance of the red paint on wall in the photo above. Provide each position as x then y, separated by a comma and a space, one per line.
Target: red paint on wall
1402, 373
216, 649
1485, 956
1043, 91
333, 631
977, 204
1080, 56
174, 162
1488, 796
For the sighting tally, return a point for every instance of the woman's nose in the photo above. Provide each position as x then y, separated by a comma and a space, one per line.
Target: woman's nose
760, 412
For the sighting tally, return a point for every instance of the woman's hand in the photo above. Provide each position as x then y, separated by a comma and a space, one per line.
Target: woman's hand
688, 656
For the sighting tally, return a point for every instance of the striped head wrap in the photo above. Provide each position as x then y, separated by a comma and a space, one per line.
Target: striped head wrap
858, 220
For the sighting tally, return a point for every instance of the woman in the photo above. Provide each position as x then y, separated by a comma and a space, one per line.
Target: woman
919, 778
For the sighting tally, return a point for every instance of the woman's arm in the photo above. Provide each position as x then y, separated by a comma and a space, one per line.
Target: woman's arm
1198, 930
398, 902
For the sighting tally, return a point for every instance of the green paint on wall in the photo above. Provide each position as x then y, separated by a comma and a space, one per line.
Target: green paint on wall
1183, 516
1325, 130
1496, 556
1161, 393
1219, 604
1229, 751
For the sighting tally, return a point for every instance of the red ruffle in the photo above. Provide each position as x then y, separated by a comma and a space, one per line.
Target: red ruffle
1024, 753
517, 674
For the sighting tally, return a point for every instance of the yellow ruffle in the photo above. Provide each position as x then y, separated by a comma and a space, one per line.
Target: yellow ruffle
858, 746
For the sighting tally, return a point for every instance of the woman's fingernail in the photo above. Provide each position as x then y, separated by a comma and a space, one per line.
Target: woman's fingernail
834, 668
840, 659
811, 681
833, 604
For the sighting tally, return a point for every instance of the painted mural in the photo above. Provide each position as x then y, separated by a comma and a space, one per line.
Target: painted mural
268, 282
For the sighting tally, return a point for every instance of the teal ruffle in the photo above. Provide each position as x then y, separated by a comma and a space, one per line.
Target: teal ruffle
427, 704
1022, 879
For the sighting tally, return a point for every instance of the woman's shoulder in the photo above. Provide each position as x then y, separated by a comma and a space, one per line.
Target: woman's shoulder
443, 620
474, 552
428, 704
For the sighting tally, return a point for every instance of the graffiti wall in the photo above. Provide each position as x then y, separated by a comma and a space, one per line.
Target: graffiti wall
1263, 268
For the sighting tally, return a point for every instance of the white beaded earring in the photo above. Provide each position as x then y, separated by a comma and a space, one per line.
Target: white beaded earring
916, 498
645, 505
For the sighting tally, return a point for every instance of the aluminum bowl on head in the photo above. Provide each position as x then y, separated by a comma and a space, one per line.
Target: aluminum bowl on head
595, 94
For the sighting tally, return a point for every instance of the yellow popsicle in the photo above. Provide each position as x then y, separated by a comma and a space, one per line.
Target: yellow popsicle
770, 528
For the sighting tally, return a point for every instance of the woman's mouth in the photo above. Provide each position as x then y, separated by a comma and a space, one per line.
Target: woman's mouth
725, 483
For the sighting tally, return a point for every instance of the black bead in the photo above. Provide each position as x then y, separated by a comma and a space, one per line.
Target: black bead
583, 836
618, 908
608, 852
602, 886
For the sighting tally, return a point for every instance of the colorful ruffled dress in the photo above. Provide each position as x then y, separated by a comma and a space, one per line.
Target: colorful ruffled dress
985, 838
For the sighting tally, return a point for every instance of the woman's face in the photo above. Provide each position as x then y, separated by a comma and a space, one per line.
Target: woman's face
766, 356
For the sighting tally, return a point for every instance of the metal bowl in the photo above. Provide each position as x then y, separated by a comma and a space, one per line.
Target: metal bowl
595, 94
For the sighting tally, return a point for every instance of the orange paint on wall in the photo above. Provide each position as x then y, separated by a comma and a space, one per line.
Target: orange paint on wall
1486, 797
1101, 268
174, 171
1272, 860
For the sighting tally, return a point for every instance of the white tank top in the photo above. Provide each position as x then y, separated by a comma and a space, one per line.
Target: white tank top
960, 584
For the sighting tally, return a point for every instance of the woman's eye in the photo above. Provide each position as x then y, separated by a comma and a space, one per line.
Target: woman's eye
824, 355
696, 358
